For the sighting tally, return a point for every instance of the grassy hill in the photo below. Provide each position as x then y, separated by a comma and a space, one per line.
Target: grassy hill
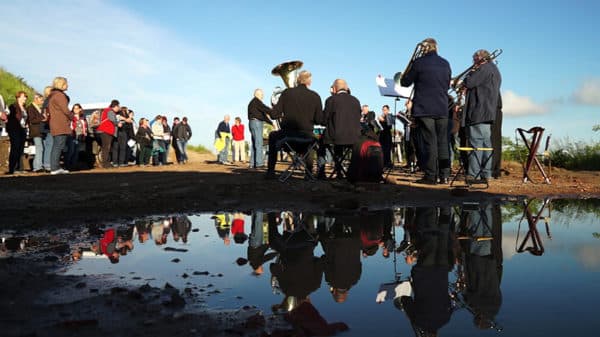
10, 84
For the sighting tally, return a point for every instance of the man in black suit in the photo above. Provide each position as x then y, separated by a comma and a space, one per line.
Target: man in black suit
299, 108
342, 120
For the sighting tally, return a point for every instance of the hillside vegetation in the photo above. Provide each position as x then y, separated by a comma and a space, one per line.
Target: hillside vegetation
10, 84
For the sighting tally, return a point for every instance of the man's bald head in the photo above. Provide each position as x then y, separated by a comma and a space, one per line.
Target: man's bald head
340, 84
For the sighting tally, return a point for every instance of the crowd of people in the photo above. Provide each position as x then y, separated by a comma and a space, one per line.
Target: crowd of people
67, 139
434, 123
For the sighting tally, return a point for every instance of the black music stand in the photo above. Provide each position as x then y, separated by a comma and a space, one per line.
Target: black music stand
388, 88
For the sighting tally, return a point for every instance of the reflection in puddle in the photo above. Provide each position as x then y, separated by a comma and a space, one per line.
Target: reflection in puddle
444, 270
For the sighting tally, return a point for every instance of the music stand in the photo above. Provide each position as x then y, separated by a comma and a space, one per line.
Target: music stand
389, 88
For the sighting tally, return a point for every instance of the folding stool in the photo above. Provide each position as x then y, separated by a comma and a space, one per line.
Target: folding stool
537, 246
532, 146
471, 152
341, 161
299, 149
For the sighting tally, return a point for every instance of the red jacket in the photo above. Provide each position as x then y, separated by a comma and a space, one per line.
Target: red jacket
106, 125
238, 132
107, 239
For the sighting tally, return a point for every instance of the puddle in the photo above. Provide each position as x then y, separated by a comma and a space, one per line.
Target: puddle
471, 269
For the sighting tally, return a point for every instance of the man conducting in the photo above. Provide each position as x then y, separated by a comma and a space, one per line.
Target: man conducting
299, 109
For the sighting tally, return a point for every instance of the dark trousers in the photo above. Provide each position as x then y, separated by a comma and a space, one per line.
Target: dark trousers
58, 145
275, 142
105, 152
17, 146
497, 144
145, 153
385, 139
436, 154
119, 148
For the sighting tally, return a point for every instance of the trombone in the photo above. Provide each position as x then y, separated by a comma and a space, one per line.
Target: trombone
421, 49
457, 82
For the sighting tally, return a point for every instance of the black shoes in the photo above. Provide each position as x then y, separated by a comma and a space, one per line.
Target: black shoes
426, 181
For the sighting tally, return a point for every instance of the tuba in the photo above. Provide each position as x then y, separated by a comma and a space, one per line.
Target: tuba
288, 71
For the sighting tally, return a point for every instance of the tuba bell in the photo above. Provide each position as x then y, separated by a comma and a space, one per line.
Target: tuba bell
421, 49
288, 71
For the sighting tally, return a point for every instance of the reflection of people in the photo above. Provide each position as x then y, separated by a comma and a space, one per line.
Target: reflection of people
483, 265
429, 309
300, 108
258, 244
481, 106
223, 226
342, 247
237, 228
181, 228
430, 75
112, 245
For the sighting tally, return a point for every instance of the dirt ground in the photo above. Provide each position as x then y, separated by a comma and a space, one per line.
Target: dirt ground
43, 303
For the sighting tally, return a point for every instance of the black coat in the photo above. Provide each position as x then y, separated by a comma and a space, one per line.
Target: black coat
35, 119
258, 110
300, 108
430, 75
342, 119
482, 95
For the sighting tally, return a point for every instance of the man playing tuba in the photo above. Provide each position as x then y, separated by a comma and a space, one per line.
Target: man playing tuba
299, 109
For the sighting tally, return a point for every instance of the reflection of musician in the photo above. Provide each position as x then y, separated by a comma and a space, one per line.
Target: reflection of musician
299, 108
481, 105
483, 265
430, 75
429, 309
342, 120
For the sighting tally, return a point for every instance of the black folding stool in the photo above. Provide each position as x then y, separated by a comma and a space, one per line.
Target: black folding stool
299, 149
471, 152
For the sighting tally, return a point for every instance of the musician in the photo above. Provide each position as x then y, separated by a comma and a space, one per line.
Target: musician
299, 109
481, 105
430, 75
367, 117
386, 121
342, 120
258, 114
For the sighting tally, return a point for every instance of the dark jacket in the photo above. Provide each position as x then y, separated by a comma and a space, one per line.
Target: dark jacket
300, 108
13, 121
430, 75
258, 110
223, 127
182, 131
341, 117
482, 95
144, 137
35, 119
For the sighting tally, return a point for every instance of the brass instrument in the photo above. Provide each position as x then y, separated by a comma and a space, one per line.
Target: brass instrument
457, 82
421, 49
288, 71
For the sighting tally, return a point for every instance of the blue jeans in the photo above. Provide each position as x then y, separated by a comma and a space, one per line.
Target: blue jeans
256, 233
38, 159
256, 131
48, 141
480, 135
224, 154
181, 145
57, 147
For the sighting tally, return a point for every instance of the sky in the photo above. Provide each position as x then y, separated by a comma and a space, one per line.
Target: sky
203, 59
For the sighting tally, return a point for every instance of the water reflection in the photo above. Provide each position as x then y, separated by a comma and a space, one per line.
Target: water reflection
432, 270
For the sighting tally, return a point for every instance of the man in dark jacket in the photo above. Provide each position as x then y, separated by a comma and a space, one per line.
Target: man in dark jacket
258, 114
481, 105
430, 75
299, 108
342, 120
182, 132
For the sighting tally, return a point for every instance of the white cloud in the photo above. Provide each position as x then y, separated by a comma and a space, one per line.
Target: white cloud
588, 92
515, 105
107, 52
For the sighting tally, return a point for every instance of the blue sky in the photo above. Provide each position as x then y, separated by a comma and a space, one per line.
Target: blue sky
203, 59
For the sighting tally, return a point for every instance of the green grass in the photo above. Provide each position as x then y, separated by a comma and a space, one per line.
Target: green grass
11, 84
198, 148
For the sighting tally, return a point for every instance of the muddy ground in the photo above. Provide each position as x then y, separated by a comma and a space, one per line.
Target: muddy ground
36, 301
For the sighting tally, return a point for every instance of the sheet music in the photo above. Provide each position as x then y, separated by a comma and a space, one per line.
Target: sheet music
387, 87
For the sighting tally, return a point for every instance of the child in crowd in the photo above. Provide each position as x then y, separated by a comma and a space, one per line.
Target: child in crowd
144, 139
239, 145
